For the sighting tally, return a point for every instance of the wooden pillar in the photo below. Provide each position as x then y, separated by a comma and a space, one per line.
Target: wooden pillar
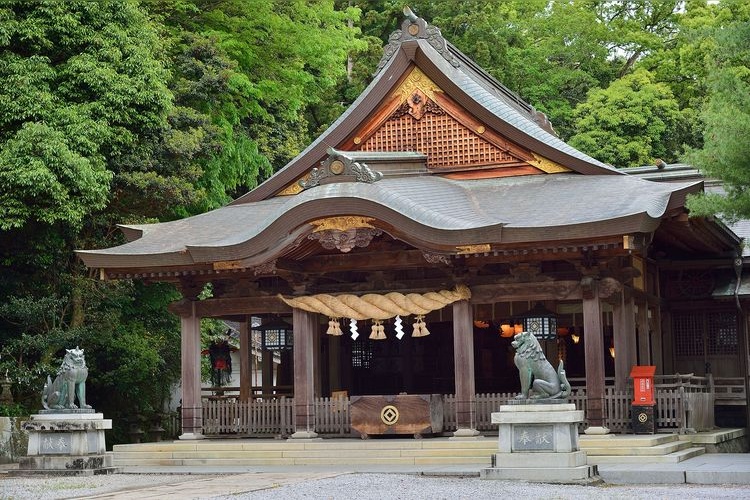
743, 351
644, 336
463, 361
656, 340
305, 329
190, 350
623, 315
593, 337
266, 372
246, 350
334, 363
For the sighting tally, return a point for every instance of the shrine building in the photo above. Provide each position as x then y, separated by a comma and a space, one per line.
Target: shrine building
394, 255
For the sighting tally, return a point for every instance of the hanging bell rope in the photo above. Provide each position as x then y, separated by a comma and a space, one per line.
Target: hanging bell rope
374, 306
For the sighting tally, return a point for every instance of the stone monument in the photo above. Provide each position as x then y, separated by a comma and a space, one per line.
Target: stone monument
538, 433
65, 438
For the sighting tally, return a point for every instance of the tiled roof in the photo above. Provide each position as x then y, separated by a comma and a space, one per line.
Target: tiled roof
437, 210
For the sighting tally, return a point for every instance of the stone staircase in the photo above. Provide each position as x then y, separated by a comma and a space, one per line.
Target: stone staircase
656, 448
607, 449
257, 452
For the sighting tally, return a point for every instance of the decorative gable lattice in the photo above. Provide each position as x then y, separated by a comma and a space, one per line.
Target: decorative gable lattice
446, 142
422, 119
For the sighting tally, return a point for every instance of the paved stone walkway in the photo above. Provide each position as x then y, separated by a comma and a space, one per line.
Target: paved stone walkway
226, 485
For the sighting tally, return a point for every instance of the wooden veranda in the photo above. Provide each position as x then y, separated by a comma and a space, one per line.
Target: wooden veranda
685, 404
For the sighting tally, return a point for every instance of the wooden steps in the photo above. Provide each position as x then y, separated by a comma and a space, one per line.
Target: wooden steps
438, 451
658, 448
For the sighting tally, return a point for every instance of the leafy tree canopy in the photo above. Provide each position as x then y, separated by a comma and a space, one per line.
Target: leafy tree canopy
726, 115
628, 123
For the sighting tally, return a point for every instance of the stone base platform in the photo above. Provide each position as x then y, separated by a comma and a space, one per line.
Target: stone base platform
539, 443
66, 443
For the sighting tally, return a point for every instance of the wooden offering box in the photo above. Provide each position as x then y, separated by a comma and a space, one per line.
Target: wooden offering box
416, 414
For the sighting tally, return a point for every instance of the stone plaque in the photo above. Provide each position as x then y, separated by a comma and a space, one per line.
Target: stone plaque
533, 438
55, 443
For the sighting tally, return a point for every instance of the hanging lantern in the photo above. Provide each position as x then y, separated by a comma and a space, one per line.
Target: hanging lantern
576, 337
507, 330
276, 335
541, 322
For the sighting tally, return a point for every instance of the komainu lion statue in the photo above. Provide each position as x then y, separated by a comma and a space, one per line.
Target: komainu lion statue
70, 381
536, 372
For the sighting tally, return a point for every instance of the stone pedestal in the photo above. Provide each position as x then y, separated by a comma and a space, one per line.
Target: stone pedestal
539, 442
66, 442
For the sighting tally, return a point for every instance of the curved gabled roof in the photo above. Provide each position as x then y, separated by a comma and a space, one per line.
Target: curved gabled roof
463, 81
431, 212
403, 195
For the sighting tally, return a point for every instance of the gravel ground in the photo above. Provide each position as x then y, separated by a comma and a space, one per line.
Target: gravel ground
395, 486
366, 487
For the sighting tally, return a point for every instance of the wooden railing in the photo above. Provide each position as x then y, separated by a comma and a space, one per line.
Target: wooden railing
258, 417
729, 391
684, 403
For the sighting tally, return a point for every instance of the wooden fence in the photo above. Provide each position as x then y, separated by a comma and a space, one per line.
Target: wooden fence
684, 403
259, 417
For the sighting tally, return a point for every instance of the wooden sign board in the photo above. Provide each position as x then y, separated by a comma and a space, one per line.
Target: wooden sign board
417, 414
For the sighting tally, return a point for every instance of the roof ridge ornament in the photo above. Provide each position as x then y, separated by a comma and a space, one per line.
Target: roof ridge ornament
339, 164
414, 28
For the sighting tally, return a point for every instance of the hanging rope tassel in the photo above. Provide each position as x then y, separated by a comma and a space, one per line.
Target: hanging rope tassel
378, 331
420, 327
374, 331
381, 332
333, 327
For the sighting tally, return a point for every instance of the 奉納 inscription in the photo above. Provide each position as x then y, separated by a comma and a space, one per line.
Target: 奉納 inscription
533, 438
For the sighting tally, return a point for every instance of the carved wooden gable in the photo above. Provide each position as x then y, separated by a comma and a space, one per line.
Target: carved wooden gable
420, 117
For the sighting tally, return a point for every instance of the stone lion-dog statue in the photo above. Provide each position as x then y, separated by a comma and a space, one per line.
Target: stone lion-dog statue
537, 374
69, 383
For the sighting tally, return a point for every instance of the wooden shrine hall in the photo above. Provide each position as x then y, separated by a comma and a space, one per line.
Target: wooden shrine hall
438, 208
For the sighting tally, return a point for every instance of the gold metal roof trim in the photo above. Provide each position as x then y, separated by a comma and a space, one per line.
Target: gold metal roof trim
344, 223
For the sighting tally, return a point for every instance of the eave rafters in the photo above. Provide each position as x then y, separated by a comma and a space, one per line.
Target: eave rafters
367, 261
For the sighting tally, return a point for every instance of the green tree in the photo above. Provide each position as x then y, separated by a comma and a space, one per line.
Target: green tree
726, 115
628, 123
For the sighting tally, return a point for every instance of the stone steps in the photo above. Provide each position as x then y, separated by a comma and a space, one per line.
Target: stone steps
439, 451
659, 448
671, 458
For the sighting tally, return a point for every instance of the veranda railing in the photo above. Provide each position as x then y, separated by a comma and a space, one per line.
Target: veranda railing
684, 403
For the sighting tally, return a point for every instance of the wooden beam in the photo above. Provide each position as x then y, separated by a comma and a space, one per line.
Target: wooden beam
508, 292
357, 262
232, 306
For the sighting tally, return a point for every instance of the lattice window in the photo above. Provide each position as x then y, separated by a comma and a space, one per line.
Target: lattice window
716, 332
722, 333
447, 143
688, 334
